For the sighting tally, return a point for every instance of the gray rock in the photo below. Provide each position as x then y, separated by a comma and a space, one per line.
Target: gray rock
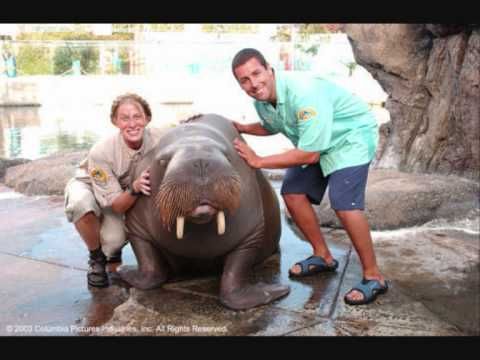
46, 176
396, 199
430, 73
6, 163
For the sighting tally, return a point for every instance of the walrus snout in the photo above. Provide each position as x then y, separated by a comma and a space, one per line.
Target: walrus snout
203, 213
198, 187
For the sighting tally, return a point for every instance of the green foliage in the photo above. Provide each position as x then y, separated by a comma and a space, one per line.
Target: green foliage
130, 28
284, 34
125, 61
116, 36
313, 29
62, 60
89, 59
33, 60
71, 35
119, 62
351, 67
229, 28
65, 55
36, 60
303, 31
167, 27
308, 49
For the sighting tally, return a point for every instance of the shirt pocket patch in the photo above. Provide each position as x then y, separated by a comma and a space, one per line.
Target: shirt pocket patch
306, 113
99, 175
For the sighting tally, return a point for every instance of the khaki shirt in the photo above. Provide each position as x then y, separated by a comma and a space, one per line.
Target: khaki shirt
109, 164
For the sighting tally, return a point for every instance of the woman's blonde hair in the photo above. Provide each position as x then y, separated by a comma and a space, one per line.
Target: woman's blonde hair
119, 100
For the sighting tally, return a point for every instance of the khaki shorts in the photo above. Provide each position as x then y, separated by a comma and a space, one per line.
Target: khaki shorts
79, 200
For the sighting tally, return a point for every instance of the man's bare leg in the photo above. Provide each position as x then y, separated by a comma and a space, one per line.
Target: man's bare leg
305, 218
356, 225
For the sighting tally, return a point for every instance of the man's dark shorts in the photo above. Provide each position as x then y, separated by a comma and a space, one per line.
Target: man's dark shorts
346, 186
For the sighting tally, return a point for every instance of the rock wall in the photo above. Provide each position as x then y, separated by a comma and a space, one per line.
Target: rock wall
432, 76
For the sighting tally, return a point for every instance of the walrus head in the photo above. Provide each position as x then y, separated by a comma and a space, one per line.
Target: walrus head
199, 184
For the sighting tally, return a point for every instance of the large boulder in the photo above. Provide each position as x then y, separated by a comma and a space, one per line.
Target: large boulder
46, 176
397, 199
431, 74
6, 163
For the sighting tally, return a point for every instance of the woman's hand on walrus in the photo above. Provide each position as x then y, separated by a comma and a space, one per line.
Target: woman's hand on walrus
142, 183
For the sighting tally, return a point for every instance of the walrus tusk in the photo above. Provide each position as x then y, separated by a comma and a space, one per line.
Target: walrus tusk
221, 223
180, 225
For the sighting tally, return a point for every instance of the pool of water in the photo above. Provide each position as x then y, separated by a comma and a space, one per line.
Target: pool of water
33, 132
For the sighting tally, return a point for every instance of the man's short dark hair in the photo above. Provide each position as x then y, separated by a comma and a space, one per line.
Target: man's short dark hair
246, 54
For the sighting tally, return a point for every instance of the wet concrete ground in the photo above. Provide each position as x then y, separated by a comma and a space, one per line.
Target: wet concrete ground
434, 276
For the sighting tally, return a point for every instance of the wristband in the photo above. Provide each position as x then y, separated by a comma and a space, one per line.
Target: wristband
133, 192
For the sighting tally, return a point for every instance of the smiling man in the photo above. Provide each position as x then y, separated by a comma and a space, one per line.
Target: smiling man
335, 137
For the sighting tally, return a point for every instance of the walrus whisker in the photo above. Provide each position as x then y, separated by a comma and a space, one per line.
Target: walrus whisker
180, 199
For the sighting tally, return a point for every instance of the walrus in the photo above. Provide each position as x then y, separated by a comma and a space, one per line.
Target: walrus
207, 207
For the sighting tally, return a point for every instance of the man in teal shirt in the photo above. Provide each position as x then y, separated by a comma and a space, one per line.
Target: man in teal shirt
335, 138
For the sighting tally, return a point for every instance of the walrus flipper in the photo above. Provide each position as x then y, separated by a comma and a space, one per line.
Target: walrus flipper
250, 296
235, 291
152, 270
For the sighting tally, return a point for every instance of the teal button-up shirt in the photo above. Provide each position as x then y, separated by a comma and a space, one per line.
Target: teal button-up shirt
319, 116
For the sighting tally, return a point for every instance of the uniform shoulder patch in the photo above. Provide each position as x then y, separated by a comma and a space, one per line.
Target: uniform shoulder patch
99, 175
306, 113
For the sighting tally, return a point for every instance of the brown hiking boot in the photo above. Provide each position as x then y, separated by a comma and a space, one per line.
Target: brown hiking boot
97, 275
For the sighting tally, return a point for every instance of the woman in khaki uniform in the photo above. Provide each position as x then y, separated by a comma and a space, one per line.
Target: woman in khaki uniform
103, 190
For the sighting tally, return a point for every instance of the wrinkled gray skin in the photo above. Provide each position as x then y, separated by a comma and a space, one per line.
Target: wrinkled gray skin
199, 153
